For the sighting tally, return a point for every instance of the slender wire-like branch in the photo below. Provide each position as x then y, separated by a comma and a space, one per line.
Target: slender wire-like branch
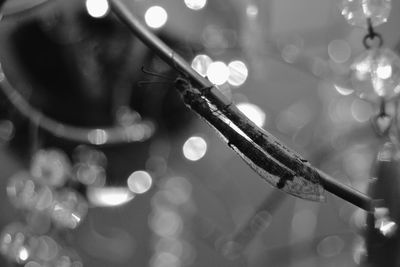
137, 132
262, 138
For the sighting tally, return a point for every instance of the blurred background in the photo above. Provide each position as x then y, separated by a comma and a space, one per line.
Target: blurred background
123, 174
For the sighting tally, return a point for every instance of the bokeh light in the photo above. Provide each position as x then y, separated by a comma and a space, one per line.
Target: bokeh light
98, 137
253, 112
290, 53
218, 72
178, 190
156, 17
195, 4
139, 182
25, 193
339, 51
195, 148
384, 71
200, 63
69, 209
361, 110
330, 246
166, 222
238, 73
23, 254
97, 8
109, 196
7, 130
252, 11
50, 167
14, 242
165, 259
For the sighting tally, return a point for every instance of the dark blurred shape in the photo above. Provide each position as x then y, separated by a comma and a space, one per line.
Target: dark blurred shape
12, 7
382, 249
82, 71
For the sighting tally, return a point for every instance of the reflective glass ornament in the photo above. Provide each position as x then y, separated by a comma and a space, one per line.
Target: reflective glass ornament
375, 74
357, 12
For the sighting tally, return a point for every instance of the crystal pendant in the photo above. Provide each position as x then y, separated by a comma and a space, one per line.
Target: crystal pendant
50, 167
356, 12
375, 75
69, 209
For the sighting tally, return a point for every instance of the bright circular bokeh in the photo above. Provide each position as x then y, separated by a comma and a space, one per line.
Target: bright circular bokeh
253, 112
139, 182
218, 72
97, 8
194, 148
200, 63
195, 4
339, 51
156, 17
238, 73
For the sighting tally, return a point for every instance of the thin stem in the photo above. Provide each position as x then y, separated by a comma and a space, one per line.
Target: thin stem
262, 138
137, 132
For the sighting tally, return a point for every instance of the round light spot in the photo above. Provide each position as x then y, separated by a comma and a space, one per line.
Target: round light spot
156, 17
238, 73
165, 259
178, 190
194, 148
290, 53
165, 222
195, 4
200, 63
384, 71
253, 112
361, 110
218, 73
330, 246
97, 8
23, 254
252, 11
139, 182
339, 51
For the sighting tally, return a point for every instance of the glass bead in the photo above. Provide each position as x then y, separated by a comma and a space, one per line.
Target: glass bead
69, 209
44, 248
375, 75
50, 167
356, 12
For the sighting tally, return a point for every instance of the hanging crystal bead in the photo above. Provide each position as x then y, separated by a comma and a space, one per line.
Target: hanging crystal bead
356, 12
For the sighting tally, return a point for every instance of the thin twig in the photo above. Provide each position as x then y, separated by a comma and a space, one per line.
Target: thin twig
137, 132
263, 139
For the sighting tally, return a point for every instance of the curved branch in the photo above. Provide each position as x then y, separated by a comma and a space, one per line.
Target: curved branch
137, 132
